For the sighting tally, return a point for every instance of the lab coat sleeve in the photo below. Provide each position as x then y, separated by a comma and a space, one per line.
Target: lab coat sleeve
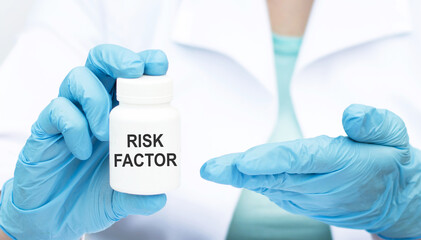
49, 47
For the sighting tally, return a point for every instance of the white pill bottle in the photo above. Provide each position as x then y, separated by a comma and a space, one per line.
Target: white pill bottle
144, 137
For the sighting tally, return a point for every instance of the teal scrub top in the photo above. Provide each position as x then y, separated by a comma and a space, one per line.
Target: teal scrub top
256, 217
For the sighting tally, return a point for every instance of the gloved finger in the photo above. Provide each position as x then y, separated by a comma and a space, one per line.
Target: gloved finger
223, 170
124, 204
84, 89
156, 62
60, 117
314, 155
109, 62
378, 126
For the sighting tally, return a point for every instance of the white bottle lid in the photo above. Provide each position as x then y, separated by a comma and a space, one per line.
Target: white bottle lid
144, 90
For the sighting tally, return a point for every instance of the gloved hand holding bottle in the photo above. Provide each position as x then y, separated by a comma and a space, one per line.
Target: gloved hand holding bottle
61, 188
369, 180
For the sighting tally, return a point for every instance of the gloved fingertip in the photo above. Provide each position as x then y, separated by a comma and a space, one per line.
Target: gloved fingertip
211, 169
156, 62
371, 125
354, 116
115, 61
353, 119
204, 171
221, 170
102, 132
83, 153
82, 149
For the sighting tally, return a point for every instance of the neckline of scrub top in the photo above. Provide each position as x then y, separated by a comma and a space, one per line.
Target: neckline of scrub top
286, 45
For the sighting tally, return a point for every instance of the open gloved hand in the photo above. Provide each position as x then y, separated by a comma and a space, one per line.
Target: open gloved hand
369, 180
60, 188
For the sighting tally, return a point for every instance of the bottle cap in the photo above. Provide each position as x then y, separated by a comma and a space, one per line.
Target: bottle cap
144, 90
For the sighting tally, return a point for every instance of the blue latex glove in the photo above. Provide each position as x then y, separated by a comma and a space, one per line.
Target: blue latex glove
369, 180
61, 185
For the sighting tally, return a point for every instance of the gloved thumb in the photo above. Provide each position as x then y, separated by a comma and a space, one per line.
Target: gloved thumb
127, 204
377, 126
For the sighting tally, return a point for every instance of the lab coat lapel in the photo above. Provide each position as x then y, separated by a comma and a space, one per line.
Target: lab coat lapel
240, 31
336, 25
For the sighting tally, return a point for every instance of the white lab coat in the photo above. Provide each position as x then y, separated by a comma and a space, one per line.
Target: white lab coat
221, 59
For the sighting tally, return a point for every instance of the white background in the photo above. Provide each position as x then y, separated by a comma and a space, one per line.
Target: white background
12, 19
